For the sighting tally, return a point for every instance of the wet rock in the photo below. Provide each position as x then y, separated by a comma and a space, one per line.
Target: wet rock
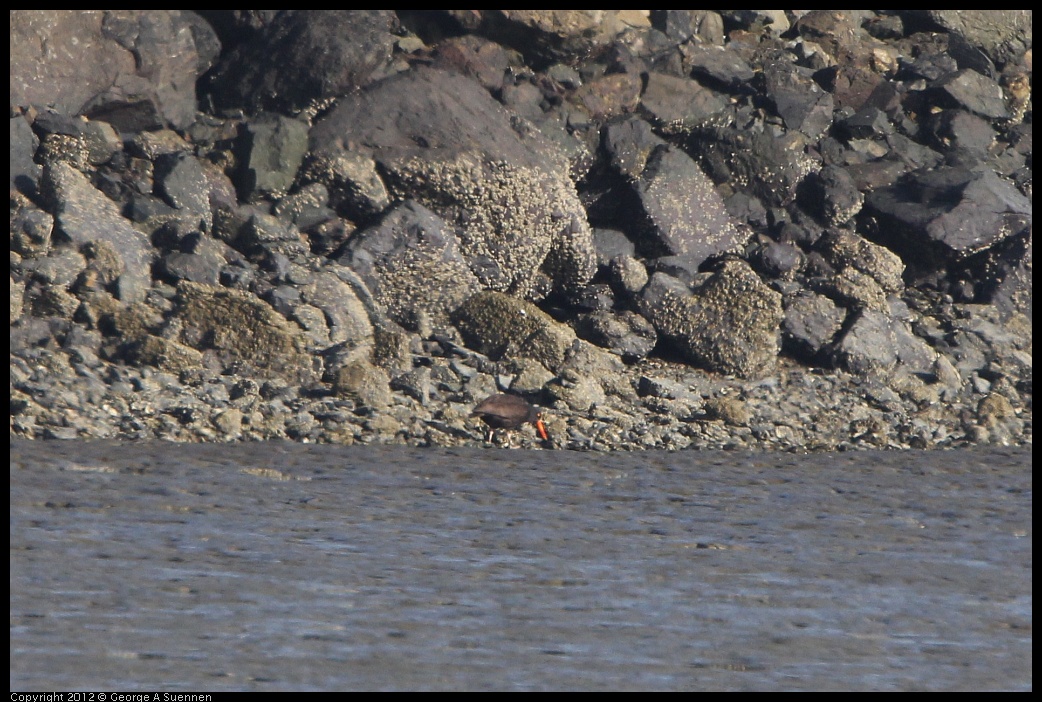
874, 344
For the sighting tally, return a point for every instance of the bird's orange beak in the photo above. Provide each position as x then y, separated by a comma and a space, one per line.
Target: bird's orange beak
541, 429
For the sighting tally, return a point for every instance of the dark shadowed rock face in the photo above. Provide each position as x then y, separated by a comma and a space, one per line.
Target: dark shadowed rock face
300, 59
774, 229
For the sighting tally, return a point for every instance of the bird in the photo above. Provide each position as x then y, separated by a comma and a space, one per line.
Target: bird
502, 411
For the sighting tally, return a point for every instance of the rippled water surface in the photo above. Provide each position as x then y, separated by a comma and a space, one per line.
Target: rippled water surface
284, 566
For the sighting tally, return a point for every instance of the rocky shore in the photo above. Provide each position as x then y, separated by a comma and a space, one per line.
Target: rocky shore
773, 230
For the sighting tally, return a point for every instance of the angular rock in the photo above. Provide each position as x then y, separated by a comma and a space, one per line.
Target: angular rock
678, 105
412, 265
85, 215
799, 101
729, 325
135, 69
629, 144
811, 323
625, 334
182, 182
304, 57
682, 212
845, 249
441, 139
874, 343
933, 218
345, 314
551, 36
832, 195
273, 149
499, 325
240, 331
972, 91
763, 165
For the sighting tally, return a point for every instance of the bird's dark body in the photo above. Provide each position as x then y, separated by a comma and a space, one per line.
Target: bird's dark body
508, 412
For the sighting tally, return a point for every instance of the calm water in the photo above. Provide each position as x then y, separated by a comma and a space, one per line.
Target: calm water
157, 566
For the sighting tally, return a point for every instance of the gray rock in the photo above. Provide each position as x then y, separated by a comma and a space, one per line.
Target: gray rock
498, 325
763, 165
810, 324
85, 215
135, 69
629, 144
345, 314
627, 274
180, 180
625, 334
499, 181
729, 325
304, 57
798, 99
934, 218
972, 91
678, 105
682, 212
411, 263
868, 346
273, 149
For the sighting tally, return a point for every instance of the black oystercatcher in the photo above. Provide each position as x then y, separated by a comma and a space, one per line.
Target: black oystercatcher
508, 412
